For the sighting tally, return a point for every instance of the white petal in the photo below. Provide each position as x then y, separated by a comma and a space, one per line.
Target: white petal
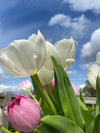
98, 56
32, 38
51, 51
93, 71
66, 49
40, 47
22, 58
45, 75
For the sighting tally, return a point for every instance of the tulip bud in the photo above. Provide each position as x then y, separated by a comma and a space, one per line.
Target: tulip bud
25, 86
75, 89
23, 113
51, 85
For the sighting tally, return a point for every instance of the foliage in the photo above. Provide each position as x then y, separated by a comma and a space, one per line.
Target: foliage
88, 90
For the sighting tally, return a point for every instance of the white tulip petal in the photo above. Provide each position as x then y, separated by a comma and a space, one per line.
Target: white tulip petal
51, 51
66, 49
23, 58
39, 47
45, 75
98, 56
93, 71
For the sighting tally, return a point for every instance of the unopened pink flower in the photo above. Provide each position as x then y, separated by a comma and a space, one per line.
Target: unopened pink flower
23, 113
51, 85
75, 89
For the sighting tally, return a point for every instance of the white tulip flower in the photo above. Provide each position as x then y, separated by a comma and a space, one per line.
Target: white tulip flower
63, 51
24, 57
25, 86
93, 71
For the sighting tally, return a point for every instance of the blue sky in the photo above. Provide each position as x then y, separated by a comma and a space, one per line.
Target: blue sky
56, 19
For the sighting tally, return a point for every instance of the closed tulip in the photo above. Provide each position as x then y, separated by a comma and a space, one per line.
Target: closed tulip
93, 71
51, 85
24, 57
75, 89
23, 113
25, 86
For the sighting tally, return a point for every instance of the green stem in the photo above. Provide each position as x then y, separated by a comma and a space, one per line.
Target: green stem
4, 129
50, 93
44, 93
35, 99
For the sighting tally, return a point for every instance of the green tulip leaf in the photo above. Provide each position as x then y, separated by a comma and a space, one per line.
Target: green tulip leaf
81, 96
98, 96
90, 128
96, 126
82, 105
62, 124
60, 92
87, 116
67, 96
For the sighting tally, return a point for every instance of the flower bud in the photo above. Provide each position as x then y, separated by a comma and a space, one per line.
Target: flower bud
75, 89
51, 85
25, 86
23, 113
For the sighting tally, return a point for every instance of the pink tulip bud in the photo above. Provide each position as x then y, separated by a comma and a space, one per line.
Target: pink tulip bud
75, 89
23, 113
25, 86
51, 85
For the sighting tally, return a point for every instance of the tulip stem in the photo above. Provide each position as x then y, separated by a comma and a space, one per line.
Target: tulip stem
35, 99
44, 93
50, 93
4, 129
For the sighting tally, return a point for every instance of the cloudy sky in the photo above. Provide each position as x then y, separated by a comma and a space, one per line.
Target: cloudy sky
56, 19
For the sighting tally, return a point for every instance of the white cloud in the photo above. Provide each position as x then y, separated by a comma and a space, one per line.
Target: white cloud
77, 24
82, 86
8, 88
84, 5
61, 19
5, 76
89, 50
86, 65
72, 72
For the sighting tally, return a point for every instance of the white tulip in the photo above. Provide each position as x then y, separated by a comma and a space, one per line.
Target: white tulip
63, 51
24, 57
25, 86
93, 71
45, 75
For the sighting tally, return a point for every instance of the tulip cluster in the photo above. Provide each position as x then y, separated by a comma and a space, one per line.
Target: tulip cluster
54, 107
24, 58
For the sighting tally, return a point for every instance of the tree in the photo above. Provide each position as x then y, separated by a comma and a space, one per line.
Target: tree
88, 90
